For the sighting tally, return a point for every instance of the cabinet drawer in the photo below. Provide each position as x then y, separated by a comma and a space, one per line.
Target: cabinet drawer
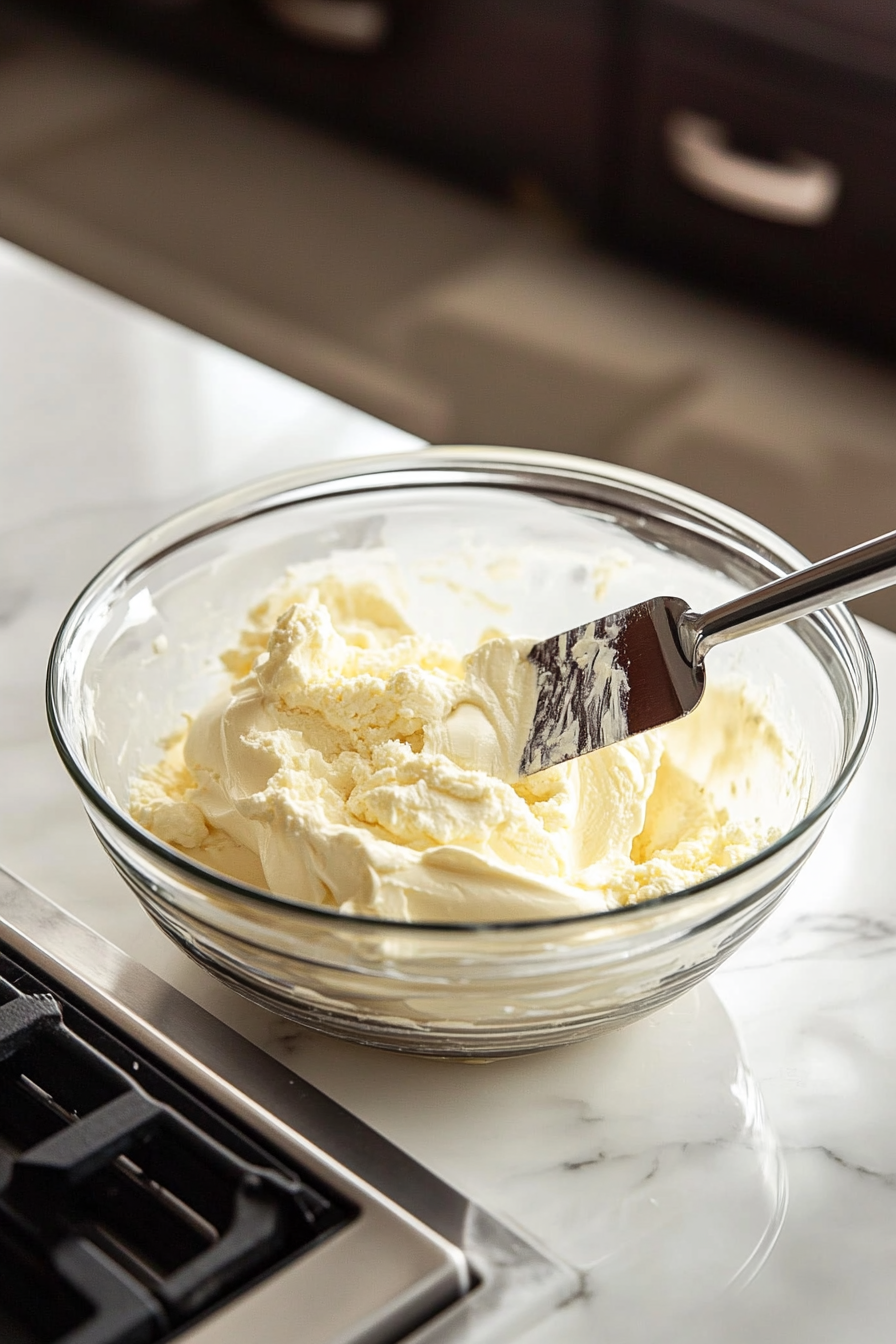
492, 90
773, 172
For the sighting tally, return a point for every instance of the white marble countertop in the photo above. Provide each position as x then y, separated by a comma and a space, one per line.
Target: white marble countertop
726, 1169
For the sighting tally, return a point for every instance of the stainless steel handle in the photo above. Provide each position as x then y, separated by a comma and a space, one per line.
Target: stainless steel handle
350, 25
853, 573
803, 190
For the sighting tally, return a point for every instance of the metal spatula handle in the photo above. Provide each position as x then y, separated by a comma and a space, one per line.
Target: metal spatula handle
852, 573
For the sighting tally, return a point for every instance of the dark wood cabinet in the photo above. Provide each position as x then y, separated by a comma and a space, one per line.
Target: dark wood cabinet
491, 91
769, 168
750, 143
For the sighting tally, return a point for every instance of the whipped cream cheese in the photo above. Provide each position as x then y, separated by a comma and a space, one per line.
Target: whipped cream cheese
356, 763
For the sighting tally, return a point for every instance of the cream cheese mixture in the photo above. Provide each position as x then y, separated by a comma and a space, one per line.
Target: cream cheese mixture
359, 764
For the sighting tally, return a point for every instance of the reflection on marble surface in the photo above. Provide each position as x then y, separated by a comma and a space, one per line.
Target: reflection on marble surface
104, 403
643, 1155
640, 1158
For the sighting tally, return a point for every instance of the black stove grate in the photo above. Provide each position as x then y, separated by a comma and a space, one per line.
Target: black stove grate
126, 1208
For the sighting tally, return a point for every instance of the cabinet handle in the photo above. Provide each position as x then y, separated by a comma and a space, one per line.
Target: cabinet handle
803, 190
351, 25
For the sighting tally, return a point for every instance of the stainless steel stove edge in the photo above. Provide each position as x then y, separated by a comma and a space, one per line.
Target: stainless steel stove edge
419, 1241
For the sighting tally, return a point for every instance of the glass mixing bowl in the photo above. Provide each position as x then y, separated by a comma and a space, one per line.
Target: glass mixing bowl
140, 647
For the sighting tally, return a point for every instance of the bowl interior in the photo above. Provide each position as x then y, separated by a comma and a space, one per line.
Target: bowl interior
142, 648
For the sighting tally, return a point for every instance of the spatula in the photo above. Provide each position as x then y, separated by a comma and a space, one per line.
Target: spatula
642, 667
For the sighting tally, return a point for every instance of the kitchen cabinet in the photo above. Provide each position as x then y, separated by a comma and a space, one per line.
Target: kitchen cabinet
765, 161
497, 92
748, 143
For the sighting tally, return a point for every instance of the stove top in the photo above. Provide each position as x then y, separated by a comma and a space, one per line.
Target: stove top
160, 1177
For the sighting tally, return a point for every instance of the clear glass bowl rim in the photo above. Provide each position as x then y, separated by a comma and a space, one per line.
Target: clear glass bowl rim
448, 465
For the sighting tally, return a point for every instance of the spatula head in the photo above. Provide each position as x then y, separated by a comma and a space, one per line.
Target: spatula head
603, 682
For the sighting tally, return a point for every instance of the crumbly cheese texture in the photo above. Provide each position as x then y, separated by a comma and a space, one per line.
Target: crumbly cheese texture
358, 764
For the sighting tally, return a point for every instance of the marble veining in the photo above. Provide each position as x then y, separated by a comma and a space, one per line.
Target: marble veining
832, 936
725, 1169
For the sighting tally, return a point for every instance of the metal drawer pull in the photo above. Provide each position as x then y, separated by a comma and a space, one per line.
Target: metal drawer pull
804, 190
352, 25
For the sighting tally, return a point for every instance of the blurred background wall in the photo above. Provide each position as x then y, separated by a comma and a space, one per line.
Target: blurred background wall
657, 233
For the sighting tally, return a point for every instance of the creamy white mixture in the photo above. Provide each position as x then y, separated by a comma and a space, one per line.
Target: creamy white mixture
356, 763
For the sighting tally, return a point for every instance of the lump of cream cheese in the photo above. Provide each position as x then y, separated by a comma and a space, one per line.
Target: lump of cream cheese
358, 764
